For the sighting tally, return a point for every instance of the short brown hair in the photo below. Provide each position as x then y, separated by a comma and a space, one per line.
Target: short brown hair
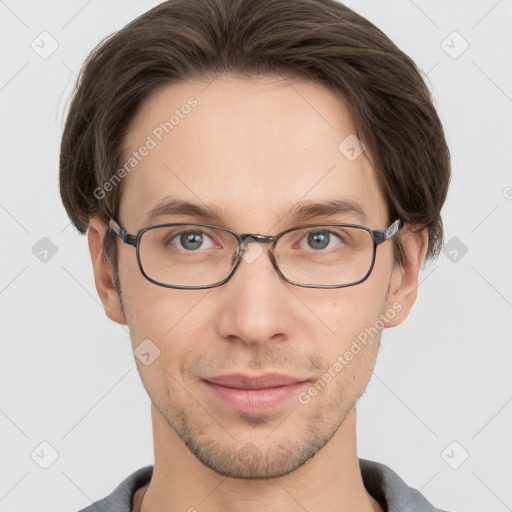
321, 41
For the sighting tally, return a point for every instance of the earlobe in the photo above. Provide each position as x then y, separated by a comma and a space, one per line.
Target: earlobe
103, 272
404, 280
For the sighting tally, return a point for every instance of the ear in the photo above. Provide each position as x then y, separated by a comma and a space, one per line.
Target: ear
103, 271
403, 286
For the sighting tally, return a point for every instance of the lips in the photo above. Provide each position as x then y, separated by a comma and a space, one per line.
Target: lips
240, 381
254, 395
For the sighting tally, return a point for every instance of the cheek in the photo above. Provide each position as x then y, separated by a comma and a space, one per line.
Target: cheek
353, 318
168, 316
353, 309
163, 330
155, 312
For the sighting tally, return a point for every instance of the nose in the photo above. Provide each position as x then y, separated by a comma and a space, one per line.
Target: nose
256, 303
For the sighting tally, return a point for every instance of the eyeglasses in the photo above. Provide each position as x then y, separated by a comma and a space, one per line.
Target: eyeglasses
198, 256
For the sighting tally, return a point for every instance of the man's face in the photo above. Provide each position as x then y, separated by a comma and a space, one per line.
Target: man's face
250, 151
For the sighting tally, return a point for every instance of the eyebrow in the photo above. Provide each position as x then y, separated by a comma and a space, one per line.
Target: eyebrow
297, 213
310, 210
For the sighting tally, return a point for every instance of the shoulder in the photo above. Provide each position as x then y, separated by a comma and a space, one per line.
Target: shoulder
121, 499
391, 491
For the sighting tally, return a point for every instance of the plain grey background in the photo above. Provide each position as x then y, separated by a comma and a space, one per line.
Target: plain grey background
74, 417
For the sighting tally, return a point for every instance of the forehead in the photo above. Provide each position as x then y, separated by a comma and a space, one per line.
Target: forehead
253, 147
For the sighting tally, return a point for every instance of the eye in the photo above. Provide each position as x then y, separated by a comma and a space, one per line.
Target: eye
320, 239
190, 240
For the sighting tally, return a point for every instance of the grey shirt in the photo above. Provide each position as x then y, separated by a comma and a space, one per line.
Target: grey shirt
393, 494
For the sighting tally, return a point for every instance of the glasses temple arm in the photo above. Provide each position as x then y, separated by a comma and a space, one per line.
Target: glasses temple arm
386, 234
122, 234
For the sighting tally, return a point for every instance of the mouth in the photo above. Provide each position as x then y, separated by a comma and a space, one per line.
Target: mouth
254, 394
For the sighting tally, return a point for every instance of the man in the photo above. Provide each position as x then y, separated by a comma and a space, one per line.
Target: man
260, 183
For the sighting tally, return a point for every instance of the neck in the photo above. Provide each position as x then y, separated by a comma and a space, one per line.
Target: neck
331, 480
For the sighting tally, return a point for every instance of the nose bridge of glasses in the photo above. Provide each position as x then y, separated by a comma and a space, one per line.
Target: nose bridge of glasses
248, 238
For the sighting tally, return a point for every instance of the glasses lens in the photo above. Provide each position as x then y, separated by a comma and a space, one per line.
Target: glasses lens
187, 255
325, 255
